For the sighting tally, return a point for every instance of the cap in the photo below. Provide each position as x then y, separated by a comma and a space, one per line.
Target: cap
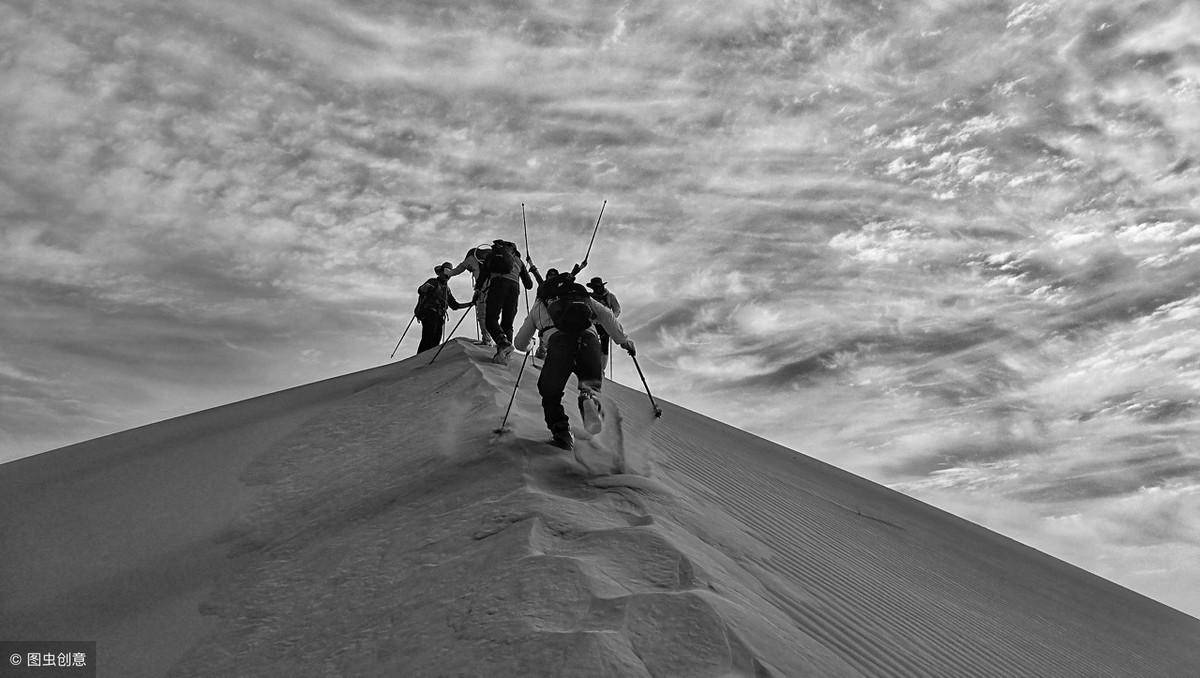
437, 270
551, 272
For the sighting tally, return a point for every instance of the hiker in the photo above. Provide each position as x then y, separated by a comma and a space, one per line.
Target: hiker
505, 270
601, 294
473, 262
433, 298
565, 316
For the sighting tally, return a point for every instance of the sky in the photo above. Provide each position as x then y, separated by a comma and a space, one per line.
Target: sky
949, 245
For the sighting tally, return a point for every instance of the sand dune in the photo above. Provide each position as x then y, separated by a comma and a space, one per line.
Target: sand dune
375, 524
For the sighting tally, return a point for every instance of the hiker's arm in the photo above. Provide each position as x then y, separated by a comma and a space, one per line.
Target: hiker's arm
454, 302
609, 322
461, 267
533, 269
525, 334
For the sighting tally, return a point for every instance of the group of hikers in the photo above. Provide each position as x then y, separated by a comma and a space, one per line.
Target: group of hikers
574, 325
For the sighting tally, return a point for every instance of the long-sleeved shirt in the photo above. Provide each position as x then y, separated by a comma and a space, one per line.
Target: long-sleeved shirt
539, 319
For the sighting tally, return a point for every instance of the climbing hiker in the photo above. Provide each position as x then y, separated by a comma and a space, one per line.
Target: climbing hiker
601, 294
565, 315
473, 262
505, 272
433, 298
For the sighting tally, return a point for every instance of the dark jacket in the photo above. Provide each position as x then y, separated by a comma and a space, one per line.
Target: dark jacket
433, 298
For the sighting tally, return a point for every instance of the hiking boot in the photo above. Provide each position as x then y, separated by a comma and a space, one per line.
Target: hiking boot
593, 414
563, 439
502, 353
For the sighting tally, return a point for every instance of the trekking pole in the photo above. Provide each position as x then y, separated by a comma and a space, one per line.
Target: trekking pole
594, 231
657, 410
447, 341
410, 322
525, 228
521, 371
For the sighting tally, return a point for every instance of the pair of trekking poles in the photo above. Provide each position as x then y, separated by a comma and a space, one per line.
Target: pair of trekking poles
481, 292
504, 422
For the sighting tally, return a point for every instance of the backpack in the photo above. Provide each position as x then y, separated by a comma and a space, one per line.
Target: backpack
427, 299
499, 261
567, 302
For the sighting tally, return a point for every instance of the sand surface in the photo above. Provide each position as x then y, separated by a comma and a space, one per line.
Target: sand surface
376, 524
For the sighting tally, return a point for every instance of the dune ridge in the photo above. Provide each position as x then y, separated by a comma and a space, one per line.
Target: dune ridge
510, 561
379, 525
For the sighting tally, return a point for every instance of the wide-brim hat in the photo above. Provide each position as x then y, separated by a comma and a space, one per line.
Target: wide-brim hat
595, 283
445, 264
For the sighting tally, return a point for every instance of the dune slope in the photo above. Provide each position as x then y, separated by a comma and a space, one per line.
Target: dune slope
376, 524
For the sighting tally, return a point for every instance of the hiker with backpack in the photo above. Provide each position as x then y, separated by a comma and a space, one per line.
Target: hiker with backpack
540, 353
505, 272
433, 299
601, 294
565, 317
473, 262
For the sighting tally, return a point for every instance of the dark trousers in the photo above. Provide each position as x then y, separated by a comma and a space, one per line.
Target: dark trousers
502, 297
432, 325
568, 354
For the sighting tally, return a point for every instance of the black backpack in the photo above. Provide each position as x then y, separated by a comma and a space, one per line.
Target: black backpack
427, 300
568, 304
499, 261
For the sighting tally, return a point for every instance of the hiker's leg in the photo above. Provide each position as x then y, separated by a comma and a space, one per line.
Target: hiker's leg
589, 363
431, 332
509, 313
560, 359
495, 305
